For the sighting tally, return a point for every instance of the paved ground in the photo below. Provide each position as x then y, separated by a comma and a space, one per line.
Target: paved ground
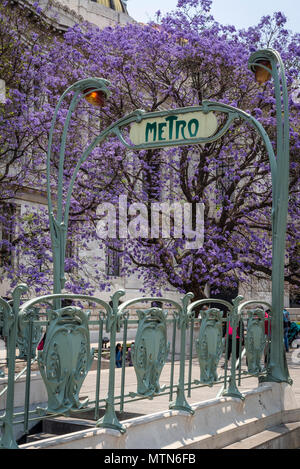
157, 404
293, 359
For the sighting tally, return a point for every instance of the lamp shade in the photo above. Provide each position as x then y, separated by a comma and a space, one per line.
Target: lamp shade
95, 97
261, 74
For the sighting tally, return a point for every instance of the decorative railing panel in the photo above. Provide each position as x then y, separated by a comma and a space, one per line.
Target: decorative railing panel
210, 345
256, 340
65, 359
207, 342
28, 332
150, 350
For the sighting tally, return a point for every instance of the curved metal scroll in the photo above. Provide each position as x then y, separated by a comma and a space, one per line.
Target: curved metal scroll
150, 350
27, 337
66, 359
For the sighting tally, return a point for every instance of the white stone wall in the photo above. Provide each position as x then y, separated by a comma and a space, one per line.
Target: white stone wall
215, 424
96, 13
66, 13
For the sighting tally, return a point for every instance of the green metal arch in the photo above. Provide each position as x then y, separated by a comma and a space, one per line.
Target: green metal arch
128, 303
68, 296
209, 300
253, 302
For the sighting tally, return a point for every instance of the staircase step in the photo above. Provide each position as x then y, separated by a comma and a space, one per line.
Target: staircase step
38, 437
284, 436
65, 425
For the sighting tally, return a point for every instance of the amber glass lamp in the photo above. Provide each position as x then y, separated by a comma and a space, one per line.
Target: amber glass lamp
95, 97
261, 74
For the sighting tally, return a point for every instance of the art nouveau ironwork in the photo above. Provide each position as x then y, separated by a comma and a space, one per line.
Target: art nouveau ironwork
68, 328
209, 345
66, 358
150, 350
255, 341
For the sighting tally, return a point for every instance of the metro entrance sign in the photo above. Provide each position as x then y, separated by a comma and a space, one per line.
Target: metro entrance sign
171, 128
142, 130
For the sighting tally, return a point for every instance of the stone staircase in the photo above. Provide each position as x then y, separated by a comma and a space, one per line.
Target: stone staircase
284, 436
280, 431
54, 426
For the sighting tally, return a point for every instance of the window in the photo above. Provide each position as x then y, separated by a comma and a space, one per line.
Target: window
224, 181
112, 263
7, 229
69, 257
151, 180
123, 7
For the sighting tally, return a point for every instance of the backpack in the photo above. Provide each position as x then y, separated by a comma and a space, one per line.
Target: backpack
286, 319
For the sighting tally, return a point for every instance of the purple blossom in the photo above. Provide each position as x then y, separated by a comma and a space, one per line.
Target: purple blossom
190, 57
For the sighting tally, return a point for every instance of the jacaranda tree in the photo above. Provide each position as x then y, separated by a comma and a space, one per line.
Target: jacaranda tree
183, 58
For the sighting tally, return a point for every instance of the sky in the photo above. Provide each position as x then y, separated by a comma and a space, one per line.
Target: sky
240, 13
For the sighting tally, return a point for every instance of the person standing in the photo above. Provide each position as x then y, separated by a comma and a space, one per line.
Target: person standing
267, 335
239, 338
129, 355
286, 326
119, 355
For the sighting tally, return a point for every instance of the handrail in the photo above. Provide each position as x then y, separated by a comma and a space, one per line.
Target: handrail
18, 376
162, 335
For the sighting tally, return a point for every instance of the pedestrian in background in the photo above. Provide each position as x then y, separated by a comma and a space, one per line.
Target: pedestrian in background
129, 355
286, 326
119, 355
267, 334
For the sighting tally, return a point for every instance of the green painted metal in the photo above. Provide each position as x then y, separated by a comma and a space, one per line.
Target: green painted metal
234, 320
173, 357
59, 223
192, 325
25, 334
209, 345
183, 318
28, 376
277, 366
67, 328
150, 351
10, 331
124, 347
65, 359
279, 165
113, 323
152, 327
255, 341
100, 337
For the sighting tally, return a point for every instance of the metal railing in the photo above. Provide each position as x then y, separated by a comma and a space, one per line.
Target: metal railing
190, 339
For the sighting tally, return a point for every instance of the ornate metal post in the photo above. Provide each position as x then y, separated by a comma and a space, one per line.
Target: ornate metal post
10, 330
93, 89
270, 62
267, 63
181, 402
110, 419
234, 319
